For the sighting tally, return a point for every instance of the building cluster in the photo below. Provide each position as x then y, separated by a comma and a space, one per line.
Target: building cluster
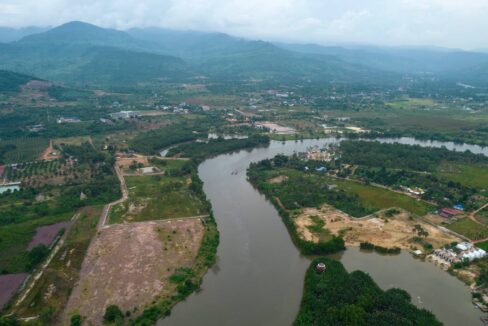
462, 252
125, 115
319, 155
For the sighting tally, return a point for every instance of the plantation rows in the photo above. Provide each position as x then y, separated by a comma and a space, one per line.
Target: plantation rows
25, 170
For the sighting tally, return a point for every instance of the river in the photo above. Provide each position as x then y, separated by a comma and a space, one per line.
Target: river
258, 277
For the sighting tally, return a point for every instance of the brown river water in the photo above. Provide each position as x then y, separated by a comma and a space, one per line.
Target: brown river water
259, 274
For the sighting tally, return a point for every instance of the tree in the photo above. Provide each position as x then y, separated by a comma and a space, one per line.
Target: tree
113, 313
36, 255
76, 320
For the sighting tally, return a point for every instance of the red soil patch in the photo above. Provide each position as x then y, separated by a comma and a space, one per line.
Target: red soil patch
8, 286
46, 234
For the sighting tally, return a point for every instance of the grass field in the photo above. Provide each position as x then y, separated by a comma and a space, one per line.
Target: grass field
469, 229
483, 245
482, 216
157, 197
379, 198
54, 287
23, 149
470, 175
76, 141
411, 103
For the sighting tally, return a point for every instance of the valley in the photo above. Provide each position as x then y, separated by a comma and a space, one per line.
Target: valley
150, 176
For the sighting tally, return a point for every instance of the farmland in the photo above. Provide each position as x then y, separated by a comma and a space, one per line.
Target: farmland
472, 175
20, 150
470, 229
376, 198
50, 294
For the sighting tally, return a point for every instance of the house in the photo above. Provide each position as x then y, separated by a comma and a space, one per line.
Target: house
463, 246
321, 169
449, 212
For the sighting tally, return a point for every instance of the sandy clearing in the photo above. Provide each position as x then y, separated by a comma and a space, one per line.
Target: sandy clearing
278, 179
125, 162
386, 232
129, 265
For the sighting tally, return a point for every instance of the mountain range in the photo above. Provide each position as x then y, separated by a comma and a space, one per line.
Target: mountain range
81, 53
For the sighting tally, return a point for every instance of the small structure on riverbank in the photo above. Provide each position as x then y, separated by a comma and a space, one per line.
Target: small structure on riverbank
320, 267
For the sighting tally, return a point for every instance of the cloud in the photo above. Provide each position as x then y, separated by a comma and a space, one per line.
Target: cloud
450, 23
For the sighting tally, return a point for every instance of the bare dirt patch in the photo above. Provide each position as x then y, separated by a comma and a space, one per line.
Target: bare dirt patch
277, 180
130, 264
8, 286
125, 162
397, 231
46, 234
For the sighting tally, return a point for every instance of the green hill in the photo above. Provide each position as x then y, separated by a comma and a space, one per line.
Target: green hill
11, 81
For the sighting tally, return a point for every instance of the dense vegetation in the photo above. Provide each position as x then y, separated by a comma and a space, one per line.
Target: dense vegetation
402, 156
447, 177
199, 151
11, 81
336, 297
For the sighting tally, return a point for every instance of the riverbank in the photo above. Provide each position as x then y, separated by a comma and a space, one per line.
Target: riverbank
252, 232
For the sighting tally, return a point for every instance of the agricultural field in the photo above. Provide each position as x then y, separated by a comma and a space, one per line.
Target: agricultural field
76, 141
15, 238
470, 229
377, 198
160, 196
482, 216
51, 292
413, 103
471, 175
21, 150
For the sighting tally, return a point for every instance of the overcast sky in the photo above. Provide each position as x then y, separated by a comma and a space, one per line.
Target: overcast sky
449, 23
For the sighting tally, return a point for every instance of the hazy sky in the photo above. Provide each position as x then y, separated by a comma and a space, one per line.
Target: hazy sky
450, 23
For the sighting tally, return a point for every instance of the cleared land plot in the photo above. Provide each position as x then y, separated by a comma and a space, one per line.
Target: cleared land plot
470, 175
130, 265
470, 229
395, 231
47, 233
157, 197
8, 286
55, 285
377, 198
